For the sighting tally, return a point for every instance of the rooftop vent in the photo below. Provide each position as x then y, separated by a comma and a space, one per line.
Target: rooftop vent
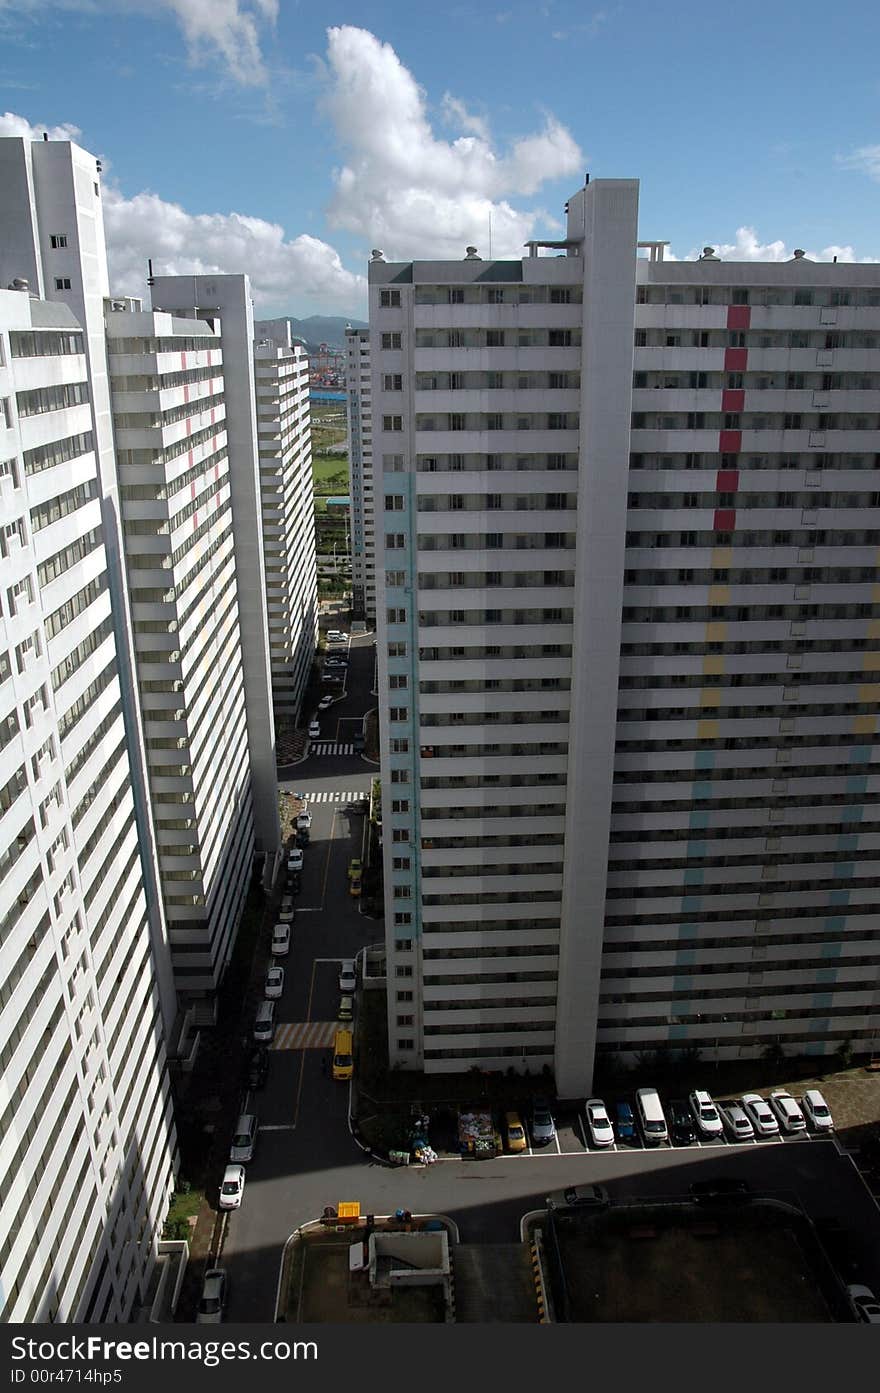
19, 283
377, 254
472, 254
709, 254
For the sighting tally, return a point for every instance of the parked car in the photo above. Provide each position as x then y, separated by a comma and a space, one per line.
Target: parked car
681, 1123
579, 1196
314, 730
354, 866
598, 1122
624, 1123
325, 703
705, 1114
516, 1132
294, 858
257, 1067
286, 912
232, 1187
337, 635
345, 1010
864, 1303
724, 1189
760, 1114
303, 820
293, 884
264, 1023
543, 1126
354, 885
332, 676
817, 1111
347, 976
281, 940
736, 1122
303, 837
357, 742
212, 1302
787, 1111
274, 983
244, 1139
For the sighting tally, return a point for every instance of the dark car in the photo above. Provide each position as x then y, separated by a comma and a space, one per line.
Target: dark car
302, 838
358, 743
724, 1189
681, 1123
293, 883
257, 1067
624, 1123
579, 1197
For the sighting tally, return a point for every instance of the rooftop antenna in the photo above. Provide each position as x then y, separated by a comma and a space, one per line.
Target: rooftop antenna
490, 236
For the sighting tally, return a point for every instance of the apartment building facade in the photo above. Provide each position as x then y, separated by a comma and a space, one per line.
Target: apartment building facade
281, 369
169, 405
572, 864
358, 384
87, 1140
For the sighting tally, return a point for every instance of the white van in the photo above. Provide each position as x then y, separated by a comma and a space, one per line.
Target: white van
264, 1025
651, 1116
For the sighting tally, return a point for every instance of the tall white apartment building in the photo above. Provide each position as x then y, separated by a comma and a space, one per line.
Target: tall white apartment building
87, 1142
358, 383
225, 302
602, 477
169, 401
281, 368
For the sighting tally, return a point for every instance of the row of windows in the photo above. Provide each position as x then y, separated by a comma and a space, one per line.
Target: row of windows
657, 614
745, 462
802, 1013
489, 381
493, 781
760, 710
754, 295
740, 968
490, 420
79, 708
45, 343
78, 550
555, 614
757, 381
76, 605
90, 644
483, 580
171, 343
745, 499
748, 942
505, 541
497, 338
483, 502
674, 337
155, 419
63, 504
480, 463
776, 886
57, 452
41, 399
757, 575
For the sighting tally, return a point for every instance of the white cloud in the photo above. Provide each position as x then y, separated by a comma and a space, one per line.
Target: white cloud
230, 28
11, 124
405, 189
282, 270
749, 247
866, 159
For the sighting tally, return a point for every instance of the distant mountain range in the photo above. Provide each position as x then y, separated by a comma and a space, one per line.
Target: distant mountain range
323, 328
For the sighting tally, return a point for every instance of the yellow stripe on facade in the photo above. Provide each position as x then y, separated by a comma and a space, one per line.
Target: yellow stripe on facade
713, 665
707, 730
864, 725
716, 632
710, 696
719, 594
722, 558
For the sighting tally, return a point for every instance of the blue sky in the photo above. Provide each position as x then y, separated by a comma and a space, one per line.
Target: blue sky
286, 139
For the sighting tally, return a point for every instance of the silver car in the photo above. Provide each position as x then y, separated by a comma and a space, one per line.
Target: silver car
737, 1124
212, 1303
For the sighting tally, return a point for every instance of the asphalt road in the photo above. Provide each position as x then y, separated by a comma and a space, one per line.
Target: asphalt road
306, 1157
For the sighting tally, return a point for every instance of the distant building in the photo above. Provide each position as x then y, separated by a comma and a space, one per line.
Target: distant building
360, 459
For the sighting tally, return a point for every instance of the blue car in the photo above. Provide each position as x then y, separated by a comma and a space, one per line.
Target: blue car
624, 1123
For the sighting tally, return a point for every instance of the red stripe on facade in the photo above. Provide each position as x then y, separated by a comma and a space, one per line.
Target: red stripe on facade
725, 519
192, 489
729, 442
739, 317
733, 399
183, 360
735, 359
727, 480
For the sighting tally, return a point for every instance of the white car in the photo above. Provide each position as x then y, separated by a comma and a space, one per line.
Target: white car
212, 1303
274, 983
347, 977
325, 703
599, 1123
760, 1114
232, 1188
336, 636
303, 821
314, 729
280, 942
738, 1125
817, 1111
294, 858
787, 1110
864, 1303
705, 1114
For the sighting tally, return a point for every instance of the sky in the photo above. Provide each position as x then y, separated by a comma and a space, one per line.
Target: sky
286, 139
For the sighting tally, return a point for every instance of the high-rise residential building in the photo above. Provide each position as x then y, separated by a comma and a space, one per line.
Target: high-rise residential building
285, 445
358, 382
602, 477
87, 1142
170, 419
225, 302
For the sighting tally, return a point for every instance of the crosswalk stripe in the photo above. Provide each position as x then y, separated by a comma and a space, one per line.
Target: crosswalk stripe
305, 1035
327, 747
331, 796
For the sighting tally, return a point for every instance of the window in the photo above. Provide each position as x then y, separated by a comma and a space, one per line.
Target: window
392, 423
560, 295
392, 382
405, 1044
739, 297
559, 338
395, 577
400, 834
394, 502
62, 282
389, 298
391, 341
400, 863
494, 338
395, 541
398, 682
404, 1020
400, 805
495, 295
398, 713
455, 295
404, 996
403, 970
456, 420
397, 650
58, 240
397, 616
